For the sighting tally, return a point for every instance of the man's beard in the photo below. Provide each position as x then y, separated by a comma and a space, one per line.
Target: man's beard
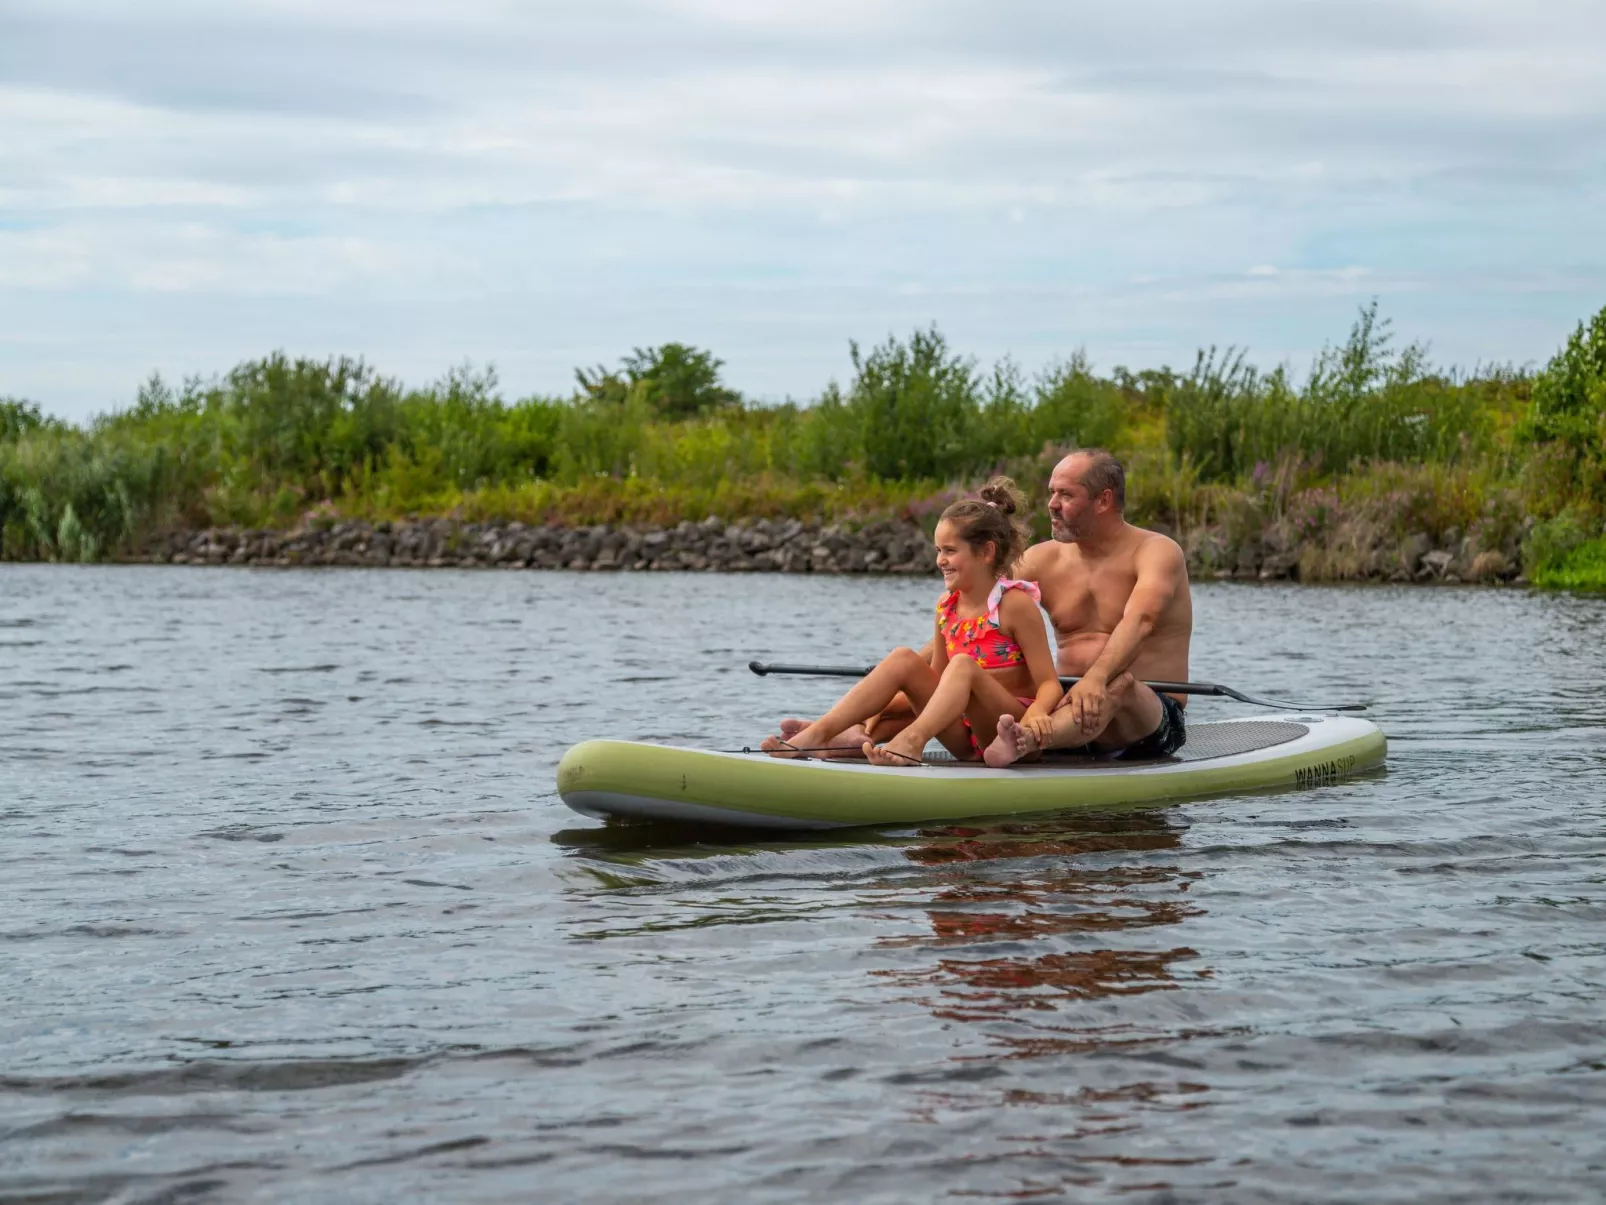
1063, 530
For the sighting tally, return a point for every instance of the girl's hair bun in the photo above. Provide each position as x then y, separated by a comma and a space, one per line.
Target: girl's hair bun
1002, 493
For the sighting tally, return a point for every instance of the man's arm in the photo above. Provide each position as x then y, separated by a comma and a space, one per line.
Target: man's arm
1031, 563
1160, 567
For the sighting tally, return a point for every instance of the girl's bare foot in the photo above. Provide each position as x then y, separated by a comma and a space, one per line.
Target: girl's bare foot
895, 752
790, 728
1012, 743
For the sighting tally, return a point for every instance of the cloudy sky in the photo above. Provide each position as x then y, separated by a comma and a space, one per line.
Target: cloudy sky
187, 183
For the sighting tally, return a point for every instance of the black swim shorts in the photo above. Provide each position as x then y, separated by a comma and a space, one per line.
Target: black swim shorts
1165, 740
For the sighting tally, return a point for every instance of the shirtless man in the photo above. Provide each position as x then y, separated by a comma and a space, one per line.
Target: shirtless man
1118, 598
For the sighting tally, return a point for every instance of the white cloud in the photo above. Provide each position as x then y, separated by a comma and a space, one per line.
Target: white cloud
610, 173
190, 258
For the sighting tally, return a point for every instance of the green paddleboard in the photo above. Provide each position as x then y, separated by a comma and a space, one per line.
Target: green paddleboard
630, 779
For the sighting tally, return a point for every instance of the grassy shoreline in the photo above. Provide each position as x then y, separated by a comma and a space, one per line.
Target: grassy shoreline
1377, 455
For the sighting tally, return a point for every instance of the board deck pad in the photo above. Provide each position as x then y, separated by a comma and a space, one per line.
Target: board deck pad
1205, 741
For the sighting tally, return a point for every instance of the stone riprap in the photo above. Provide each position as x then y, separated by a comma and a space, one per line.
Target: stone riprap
1356, 553
887, 546
756, 546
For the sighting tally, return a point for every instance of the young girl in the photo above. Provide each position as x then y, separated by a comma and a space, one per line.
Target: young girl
990, 654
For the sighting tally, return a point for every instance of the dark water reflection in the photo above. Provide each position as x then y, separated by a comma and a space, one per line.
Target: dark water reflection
293, 914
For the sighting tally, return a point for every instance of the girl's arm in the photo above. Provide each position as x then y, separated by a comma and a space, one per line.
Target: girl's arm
937, 649
1022, 622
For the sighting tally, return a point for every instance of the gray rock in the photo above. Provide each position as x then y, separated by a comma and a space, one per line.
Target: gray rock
1437, 562
1413, 550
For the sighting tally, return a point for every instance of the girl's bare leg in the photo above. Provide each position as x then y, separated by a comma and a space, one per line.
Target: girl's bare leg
884, 725
965, 690
903, 670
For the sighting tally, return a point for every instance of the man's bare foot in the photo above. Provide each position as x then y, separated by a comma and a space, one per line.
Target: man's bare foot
896, 752
802, 736
777, 746
1010, 745
849, 744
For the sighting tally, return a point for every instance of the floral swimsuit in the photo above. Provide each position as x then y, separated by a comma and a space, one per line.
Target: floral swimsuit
981, 639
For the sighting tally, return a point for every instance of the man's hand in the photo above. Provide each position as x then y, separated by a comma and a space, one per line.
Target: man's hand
1089, 702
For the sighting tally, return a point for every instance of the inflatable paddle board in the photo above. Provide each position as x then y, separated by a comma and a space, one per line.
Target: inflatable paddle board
661, 782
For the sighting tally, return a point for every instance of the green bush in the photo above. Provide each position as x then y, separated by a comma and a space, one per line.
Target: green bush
827, 440
676, 382
916, 405
1566, 552
1568, 412
1363, 401
470, 437
1075, 408
1583, 568
65, 496
18, 417
1552, 541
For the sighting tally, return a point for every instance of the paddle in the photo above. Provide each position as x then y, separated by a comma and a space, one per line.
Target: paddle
1169, 688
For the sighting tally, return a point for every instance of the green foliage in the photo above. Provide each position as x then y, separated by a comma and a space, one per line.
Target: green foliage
1222, 415
65, 496
19, 416
827, 444
1569, 409
464, 431
1433, 498
307, 421
675, 381
1363, 401
1375, 438
916, 404
1553, 541
1583, 568
1076, 408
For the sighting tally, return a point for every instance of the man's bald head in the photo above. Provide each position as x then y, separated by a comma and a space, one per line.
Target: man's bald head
1086, 494
1095, 470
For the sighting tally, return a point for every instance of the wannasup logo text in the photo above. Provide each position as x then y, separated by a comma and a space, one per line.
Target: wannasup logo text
1324, 773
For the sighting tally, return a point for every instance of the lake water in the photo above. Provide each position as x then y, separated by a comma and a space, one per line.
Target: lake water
292, 913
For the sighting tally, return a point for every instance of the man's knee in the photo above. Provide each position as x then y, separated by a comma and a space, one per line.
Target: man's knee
1137, 714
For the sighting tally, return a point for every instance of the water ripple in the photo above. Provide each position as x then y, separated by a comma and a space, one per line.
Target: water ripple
295, 913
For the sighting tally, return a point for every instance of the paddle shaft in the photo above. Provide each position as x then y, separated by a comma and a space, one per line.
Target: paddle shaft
1211, 689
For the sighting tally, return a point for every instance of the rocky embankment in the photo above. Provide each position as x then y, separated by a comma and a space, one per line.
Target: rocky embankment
757, 546
1355, 553
791, 546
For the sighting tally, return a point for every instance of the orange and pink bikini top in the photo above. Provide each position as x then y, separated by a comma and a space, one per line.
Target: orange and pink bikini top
981, 638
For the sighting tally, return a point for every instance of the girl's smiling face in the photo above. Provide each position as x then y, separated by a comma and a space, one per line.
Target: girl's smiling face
964, 568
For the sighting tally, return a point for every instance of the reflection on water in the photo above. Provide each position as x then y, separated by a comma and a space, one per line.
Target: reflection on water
1041, 919
1030, 927
295, 914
